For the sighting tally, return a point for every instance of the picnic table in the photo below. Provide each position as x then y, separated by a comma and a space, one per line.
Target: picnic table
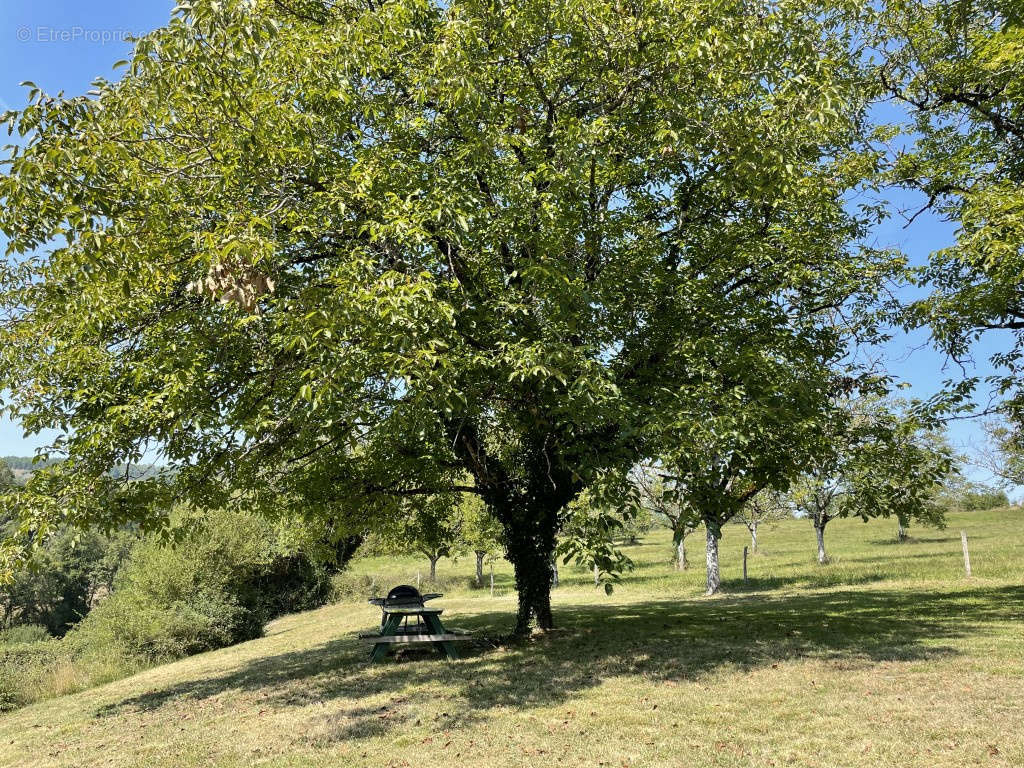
402, 604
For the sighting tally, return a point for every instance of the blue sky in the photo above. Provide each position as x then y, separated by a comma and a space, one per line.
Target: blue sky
63, 45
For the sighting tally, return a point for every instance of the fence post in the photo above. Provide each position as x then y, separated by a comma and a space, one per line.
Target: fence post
967, 555
744, 565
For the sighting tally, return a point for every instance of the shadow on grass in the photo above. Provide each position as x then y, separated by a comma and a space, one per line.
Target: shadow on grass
936, 537
666, 640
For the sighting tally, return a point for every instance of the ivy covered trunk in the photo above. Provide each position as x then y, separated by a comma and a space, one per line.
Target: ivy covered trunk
527, 504
711, 556
530, 547
533, 575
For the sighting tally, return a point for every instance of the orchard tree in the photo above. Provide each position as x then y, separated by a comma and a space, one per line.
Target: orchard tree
6, 475
883, 463
638, 524
661, 500
321, 256
480, 532
770, 423
430, 525
764, 507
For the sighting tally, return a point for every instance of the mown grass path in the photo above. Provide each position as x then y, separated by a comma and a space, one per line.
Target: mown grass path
888, 656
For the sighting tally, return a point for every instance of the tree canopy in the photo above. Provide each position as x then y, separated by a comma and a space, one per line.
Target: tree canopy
321, 257
958, 66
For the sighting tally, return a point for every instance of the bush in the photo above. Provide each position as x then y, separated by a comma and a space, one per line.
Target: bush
46, 668
220, 584
351, 587
227, 575
980, 500
23, 633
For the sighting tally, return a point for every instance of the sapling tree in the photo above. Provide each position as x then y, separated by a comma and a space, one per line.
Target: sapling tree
883, 463
323, 260
658, 497
589, 532
637, 525
764, 507
480, 532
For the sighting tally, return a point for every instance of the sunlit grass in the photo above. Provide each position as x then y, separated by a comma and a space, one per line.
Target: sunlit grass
888, 656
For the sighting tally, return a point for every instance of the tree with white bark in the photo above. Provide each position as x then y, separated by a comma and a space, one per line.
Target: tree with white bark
884, 462
659, 498
765, 507
769, 419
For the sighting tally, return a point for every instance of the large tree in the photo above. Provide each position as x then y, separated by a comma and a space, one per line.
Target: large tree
957, 67
320, 255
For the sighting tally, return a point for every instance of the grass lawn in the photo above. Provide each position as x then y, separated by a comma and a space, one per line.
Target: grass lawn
888, 656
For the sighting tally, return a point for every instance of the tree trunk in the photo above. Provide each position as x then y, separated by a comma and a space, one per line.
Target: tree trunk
433, 567
480, 568
530, 546
554, 572
819, 529
901, 531
753, 537
527, 508
597, 576
681, 563
711, 557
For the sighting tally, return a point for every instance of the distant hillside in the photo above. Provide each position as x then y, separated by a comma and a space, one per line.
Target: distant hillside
23, 466
24, 462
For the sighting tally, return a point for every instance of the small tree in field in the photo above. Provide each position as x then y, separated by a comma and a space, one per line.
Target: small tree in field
883, 464
637, 525
764, 507
660, 500
430, 525
588, 538
480, 533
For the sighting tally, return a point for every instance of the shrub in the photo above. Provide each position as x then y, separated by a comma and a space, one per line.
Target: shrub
227, 575
219, 584
23, 633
